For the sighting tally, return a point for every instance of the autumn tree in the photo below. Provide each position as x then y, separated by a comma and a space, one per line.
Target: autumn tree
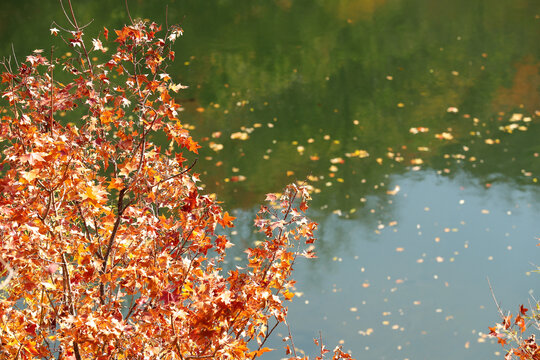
515, 332
109, 247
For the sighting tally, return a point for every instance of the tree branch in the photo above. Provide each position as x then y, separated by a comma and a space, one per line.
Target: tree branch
67, 288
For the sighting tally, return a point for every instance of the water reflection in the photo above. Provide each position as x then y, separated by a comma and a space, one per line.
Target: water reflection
418, 289
361, 96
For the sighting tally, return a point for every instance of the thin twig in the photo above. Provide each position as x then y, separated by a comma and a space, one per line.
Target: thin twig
55, 24
176, 175
129, 15
495, 299
166, 16
320, 343
67, 281
291, 339
266, 338
52, 93
175, 338
14, 56
65, 13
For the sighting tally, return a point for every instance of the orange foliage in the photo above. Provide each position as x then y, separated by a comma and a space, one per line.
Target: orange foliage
115, 251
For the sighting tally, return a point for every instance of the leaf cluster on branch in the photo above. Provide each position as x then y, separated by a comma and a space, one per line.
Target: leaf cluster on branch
109, 248
512, 334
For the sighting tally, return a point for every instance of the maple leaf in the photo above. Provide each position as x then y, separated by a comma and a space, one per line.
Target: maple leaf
98, 45
116, 183
226, 220
288, 295
259, 352
96, 194
32, 158
29, 176
223, 243
191, 145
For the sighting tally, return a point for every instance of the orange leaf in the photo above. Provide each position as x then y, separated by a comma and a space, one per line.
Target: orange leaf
260, 352
226, 220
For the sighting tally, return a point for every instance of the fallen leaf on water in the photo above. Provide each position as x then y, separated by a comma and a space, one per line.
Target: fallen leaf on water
444, 136
238, 178
358, 153
516, 117
216, 147
239, 136
420, 129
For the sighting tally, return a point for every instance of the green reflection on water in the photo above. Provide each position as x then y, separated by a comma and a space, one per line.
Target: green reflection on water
334, 77
310, 69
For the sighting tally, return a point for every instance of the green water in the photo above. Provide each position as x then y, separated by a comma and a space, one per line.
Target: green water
336, 90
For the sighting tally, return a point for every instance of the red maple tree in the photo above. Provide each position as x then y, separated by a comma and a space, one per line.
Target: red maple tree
109, 249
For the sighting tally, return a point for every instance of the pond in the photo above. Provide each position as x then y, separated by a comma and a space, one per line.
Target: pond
417, 124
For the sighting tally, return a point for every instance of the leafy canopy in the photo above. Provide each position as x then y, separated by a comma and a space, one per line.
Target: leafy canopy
109, 248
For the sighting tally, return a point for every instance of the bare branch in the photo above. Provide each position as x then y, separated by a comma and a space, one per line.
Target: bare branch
14, 56
495, 299
66, 14
67, 288
129, 15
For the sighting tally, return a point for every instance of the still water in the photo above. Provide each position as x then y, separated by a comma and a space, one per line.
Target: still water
417, 124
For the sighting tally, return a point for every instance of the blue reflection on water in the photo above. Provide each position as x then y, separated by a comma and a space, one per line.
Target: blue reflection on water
419, 288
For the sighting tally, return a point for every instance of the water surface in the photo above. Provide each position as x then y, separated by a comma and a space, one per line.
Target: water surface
416, 122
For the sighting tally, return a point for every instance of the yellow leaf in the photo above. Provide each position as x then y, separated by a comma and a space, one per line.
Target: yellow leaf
30, 175
288, 295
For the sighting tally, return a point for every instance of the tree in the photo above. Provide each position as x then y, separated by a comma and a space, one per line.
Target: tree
510, 333
109, 248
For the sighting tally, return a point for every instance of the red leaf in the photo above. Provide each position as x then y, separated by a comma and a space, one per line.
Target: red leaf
507, 321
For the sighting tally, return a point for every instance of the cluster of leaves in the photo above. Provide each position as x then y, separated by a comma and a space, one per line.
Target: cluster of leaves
510, 334
109, 248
